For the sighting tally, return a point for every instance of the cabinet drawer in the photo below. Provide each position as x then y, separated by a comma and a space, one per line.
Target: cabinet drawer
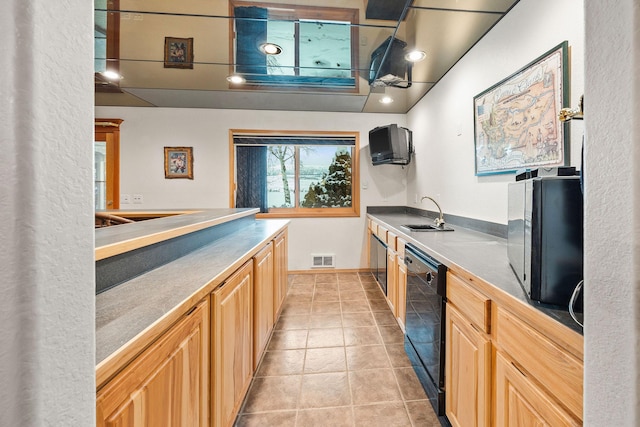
474, 305
400, 244
543, 360
391, 241
381, 232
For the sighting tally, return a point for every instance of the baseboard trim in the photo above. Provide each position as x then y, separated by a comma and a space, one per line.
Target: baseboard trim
330, 271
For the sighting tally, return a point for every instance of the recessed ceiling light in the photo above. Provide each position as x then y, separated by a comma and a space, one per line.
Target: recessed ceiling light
111, 75
236, 79
386, 99
270, 49
415, 56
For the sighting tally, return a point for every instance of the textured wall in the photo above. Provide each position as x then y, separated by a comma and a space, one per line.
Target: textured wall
47, 363
612, 213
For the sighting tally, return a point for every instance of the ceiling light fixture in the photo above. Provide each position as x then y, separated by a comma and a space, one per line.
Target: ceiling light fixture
386, 99
111, 75
236, 79
415, 56
270, 49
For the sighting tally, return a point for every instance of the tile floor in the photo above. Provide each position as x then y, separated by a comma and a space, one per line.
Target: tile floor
336, 358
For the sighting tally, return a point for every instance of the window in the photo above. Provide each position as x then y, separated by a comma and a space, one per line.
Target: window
106, 39
295, 174
318, 44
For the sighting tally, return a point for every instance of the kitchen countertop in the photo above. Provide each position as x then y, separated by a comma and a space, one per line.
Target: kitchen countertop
114, 240
132, 314
471, 252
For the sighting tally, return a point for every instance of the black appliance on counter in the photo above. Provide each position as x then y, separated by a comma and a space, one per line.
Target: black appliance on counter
378, 261
425, 323
545, 234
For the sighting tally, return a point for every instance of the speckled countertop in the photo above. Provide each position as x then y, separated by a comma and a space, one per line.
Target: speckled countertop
479, 254
113, 240
126, 311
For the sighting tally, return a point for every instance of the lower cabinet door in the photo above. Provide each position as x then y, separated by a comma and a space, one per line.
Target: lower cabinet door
401, 308
280, 270
167, 385
263, 316
392, 281
520, 402
232, 345
467, 373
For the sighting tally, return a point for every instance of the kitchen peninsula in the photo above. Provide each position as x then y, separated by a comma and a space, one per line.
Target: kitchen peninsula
201, 292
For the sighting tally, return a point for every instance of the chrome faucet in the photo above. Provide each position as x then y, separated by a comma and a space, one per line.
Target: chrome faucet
440, 220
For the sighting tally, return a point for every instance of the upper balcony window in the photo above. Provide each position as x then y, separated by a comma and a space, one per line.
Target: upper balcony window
318, 46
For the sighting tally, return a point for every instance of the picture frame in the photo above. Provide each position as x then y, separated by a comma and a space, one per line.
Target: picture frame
178, 52
178, 162
516, 123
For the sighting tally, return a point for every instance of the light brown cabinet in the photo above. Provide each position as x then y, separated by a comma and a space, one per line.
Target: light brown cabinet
166, 385
197, 372
507, 363
520, 402
467, 372
401, 311
281, 264
392, 280
533, 370
263, 300
232, 344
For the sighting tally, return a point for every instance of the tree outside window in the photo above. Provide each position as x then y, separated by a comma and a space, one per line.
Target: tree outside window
304, 176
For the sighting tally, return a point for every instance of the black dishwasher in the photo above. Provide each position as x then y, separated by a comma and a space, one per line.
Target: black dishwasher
425, 323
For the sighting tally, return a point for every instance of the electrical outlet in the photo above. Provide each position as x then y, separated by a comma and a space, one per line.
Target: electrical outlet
125, 198
138, 199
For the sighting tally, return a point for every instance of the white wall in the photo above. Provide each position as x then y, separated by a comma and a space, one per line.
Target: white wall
145, 131
47, 290
442, 121
612, 213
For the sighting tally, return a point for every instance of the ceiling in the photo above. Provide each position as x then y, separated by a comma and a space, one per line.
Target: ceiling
444, 29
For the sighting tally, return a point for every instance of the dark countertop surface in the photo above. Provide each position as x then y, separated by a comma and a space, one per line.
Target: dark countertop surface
482, 255
110, 241
124, 312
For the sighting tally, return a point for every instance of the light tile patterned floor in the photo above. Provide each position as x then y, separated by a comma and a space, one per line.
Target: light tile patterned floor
336, 358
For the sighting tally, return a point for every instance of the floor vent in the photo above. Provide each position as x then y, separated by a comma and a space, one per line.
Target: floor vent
323, 260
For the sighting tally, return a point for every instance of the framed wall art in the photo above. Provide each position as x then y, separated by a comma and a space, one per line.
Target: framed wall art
178, 53
516, 123
178, 162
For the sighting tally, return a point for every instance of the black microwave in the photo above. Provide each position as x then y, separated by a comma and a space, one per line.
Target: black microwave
545, 237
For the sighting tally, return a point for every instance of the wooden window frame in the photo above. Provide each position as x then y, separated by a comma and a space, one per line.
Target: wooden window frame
297, 211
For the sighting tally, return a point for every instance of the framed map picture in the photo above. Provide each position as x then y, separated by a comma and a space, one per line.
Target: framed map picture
516, 123
178, 162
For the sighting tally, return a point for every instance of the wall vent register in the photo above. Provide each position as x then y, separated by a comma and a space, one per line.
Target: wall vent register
323, 260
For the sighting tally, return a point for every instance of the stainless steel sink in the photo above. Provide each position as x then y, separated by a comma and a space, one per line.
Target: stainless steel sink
425, 227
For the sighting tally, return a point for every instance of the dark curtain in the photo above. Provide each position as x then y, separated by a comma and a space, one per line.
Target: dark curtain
251, 32
251, 179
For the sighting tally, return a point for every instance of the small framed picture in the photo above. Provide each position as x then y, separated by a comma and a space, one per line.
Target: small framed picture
178, 53
178, 162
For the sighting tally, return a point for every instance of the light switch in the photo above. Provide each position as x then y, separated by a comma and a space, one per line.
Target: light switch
125, 198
